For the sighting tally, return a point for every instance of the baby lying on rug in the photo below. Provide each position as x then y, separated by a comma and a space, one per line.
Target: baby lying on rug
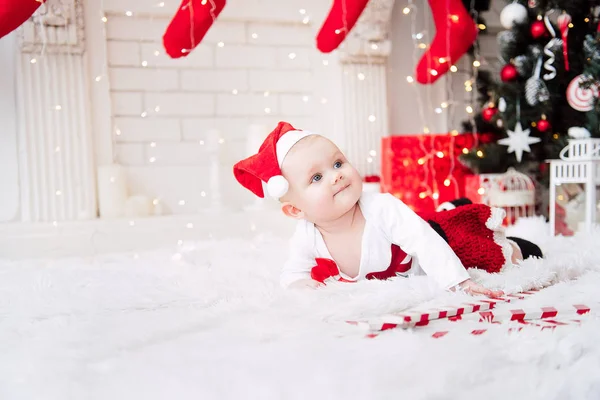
346, 235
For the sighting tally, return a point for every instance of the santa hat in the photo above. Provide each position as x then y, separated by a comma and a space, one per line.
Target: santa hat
265, 167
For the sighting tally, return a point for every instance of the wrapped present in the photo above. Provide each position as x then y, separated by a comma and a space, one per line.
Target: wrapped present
424, 170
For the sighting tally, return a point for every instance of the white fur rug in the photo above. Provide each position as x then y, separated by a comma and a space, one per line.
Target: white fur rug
209, 321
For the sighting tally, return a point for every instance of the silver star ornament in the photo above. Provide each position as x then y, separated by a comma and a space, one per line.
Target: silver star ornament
518, 141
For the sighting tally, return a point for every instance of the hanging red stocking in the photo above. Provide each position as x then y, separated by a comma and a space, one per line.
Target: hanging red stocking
189, 25
341, 19
455, 33
13, 13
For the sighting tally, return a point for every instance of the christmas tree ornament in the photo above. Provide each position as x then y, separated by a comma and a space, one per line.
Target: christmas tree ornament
518, 141
502, 104
512, 14
563, 24
548, 49
339, 22
13, 13
488, 113
536, 90
543, 125
189, 25
509, 73
578, 96
538, 30
455, 33
521, 64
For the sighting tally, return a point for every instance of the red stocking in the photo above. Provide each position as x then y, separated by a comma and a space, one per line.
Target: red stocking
189, 25
340, 20
13, 13
455, 33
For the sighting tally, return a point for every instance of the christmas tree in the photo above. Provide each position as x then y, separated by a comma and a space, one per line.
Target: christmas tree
546, 89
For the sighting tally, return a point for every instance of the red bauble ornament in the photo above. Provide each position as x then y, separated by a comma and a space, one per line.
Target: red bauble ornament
538, 30
543, 125
509, 73
488, 113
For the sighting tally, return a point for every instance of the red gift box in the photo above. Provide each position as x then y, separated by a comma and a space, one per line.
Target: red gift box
423, 170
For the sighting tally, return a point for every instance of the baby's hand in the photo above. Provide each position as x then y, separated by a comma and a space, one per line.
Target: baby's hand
306, 283
474, 288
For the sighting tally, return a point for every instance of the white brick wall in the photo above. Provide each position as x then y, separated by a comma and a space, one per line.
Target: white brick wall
267, 70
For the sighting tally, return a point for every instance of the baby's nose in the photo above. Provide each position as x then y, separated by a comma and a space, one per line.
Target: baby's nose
337, 176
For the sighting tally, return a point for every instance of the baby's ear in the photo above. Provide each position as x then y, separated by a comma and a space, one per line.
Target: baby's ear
291, 211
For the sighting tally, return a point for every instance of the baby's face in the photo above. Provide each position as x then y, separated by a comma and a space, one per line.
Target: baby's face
323, 184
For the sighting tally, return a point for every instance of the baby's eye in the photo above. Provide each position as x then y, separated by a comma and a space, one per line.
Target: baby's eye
316, 178
338, 164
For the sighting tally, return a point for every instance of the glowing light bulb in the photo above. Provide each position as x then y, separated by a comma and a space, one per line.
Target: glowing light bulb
469, 109
442, 60
446, 182
435, 195
221, 44
482, 27
234, 91
372, 153
291, 56
454, 18
33, 61
156, 53
481, 191
422, 195
58, 107
440, 154
128, 13
374, 46
406, 10
372, 118
305, 99
267, 110
453, 68
325, 62
266, 94
255, 36
98, 78
144, 114
203, 193
144, 63
433, 72
58, 193
337, 31
152, 144
181, 202
302, 11
104, 19
361, 76
420, 161
438, 110
157, 109
306, 20
476, 64
465, 150
479, 153
444, 105
152, 159
410, 79
425, 130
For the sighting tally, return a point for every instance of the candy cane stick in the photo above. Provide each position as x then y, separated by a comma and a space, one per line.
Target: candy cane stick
406, 320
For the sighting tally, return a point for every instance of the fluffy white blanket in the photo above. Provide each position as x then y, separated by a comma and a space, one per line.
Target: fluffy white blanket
209, 321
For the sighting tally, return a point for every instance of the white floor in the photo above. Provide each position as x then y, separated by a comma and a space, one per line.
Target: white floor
207, 320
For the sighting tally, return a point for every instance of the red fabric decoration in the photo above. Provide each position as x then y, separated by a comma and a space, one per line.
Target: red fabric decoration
405, 178
13, 13
339, 22
261, 167
189, 25
453, 25
467, 233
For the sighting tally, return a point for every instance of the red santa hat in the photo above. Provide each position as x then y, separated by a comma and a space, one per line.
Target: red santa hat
265, 167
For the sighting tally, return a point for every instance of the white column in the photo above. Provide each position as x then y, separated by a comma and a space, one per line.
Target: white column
55, 151
363, 57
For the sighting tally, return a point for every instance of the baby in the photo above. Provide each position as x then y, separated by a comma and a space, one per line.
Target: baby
346, 235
